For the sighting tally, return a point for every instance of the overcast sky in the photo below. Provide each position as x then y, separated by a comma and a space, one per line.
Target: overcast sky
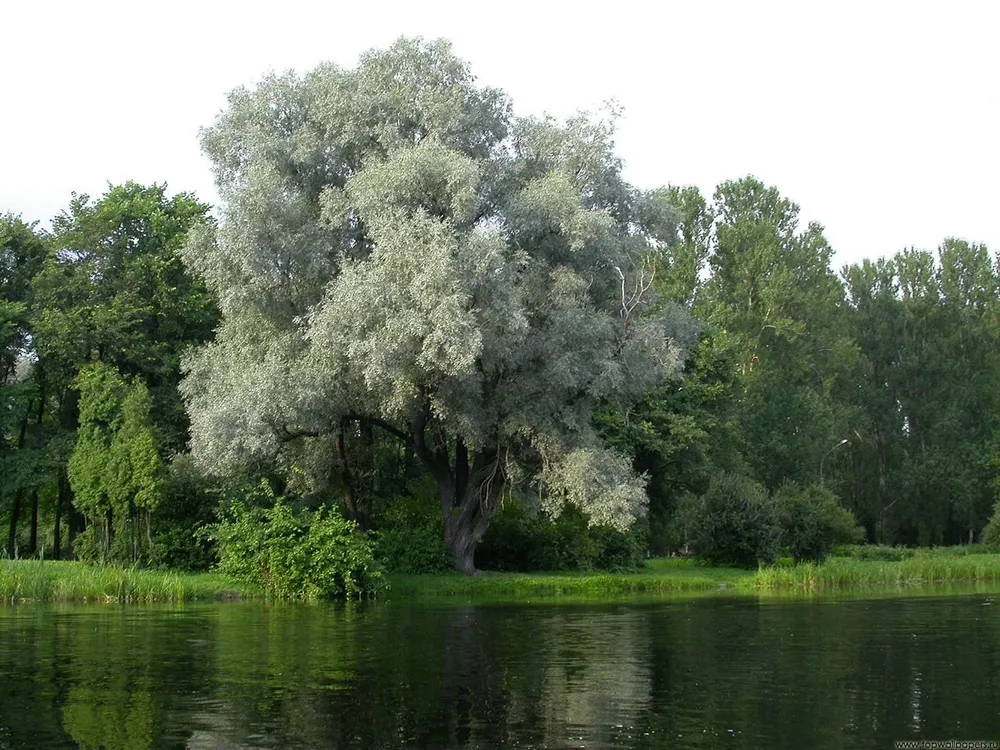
879, 118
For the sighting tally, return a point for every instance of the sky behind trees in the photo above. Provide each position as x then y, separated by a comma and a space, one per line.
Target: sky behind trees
878, 119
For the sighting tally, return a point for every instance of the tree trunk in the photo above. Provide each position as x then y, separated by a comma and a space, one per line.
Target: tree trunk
39, 419
33, 541
15, 514
77, 525
482, 482
57, 528
353, 509
463, 531
463, 549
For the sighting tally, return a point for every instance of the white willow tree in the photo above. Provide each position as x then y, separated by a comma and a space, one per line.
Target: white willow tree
395, 249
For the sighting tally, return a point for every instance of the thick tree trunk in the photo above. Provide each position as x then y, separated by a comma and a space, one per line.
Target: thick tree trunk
473, 482
465, 526
463, 532
463, 549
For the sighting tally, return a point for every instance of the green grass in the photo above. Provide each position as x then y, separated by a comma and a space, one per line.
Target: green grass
57, 581
668, 576
60, 581
922, 568
662, 576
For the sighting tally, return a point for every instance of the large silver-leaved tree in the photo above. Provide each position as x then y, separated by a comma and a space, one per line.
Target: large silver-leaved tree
397, 250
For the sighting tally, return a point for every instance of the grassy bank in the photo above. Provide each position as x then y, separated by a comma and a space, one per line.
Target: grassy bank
55, 581
659, 577
667, 576
59, 581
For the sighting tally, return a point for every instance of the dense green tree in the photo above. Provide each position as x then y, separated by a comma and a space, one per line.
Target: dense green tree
682, 433
772, 290
812, 522
733, 522
397, 251
22, 383
105, 285
927, 392
114, 290
115, 470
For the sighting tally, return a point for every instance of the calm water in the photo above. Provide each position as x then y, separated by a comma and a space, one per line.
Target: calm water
680, 674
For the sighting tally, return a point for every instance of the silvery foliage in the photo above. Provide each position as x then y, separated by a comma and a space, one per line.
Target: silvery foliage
394, 244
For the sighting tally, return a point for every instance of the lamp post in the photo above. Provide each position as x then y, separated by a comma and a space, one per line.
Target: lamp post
845, 441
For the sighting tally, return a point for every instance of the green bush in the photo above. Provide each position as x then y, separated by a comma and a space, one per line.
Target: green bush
619, 552
179, 526
412, 551
522, 540
732, 523
305, 555
812, 522
991, 534
409, 538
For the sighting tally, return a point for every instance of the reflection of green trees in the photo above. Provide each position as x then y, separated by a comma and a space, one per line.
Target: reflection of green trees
688, 674
116, 718
123, 668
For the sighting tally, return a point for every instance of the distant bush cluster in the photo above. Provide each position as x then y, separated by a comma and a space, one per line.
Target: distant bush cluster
737, 522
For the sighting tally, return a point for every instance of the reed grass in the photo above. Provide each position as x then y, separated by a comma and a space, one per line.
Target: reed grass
922, 568
62, 581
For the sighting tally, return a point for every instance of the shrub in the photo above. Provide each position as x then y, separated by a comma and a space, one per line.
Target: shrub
305, 555
812, 522
620, 552
732, 523
189, 507
522, 540
991, 534
409, 537
412, 551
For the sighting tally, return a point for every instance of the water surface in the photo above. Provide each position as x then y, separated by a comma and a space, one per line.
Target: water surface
681, 673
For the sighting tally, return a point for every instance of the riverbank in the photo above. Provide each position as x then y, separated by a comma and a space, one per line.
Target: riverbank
669, 576
60, 581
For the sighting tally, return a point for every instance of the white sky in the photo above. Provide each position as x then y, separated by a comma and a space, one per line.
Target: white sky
879, 118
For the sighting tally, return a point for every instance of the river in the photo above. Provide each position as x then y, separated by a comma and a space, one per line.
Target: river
676, 673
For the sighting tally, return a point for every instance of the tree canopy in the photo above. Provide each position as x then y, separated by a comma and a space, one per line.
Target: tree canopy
396, 249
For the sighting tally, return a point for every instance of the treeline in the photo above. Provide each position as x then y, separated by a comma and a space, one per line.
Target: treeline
96, 314
452, 325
